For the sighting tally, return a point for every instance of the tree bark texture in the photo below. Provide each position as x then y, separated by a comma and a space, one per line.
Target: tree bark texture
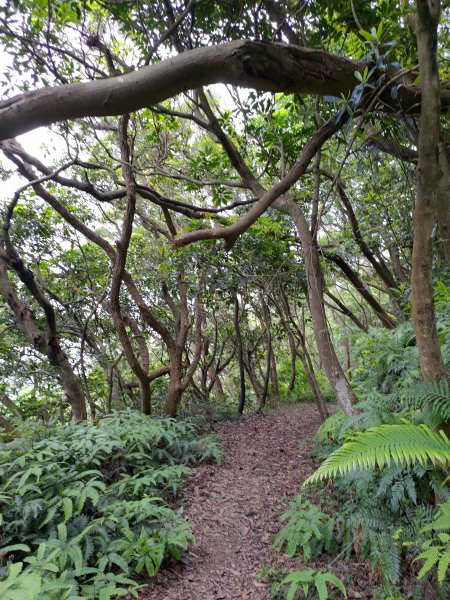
46, 344
425, 210
272, 67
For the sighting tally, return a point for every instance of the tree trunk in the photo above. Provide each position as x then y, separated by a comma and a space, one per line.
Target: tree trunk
293, 351
217, 386
71, 383
274, 385
11, 406
257, 387
311, 375
397, 266
146, 397
425, 210
5, 424
175, 390
240, 357
265, 390
173, 399
46, 344
315, 389
333, 370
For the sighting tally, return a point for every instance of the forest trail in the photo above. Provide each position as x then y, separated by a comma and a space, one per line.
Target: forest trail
233, 507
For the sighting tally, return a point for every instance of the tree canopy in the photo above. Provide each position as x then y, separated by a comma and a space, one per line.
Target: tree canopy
316, 157
210, 208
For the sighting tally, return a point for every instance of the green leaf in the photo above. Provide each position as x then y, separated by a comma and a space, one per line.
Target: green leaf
384, 445
321, 588
62, 532
331, 578
14, 547
368, 36
67, 508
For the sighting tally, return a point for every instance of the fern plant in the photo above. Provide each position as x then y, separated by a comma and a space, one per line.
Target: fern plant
83, 507
330, 434
309, 579
399, 445
308, 530
432, 398
436, 552
405, 444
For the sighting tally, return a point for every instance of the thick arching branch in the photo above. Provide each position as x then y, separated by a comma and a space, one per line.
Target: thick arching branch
262, 66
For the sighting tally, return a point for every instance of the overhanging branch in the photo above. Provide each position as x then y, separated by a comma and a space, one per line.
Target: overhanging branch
262, 66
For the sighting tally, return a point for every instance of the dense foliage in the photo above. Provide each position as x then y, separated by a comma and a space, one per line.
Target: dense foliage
173, 247
390, 502
84, 507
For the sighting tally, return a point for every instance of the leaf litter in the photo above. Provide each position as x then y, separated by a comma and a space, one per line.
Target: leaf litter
235, 506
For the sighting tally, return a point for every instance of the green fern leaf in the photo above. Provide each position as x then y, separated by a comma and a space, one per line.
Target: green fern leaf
443, 565
431, 557
398, 444
331, 578
67, 508
434, 395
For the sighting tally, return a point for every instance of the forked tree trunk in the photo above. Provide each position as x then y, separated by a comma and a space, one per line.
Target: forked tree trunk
179, 381
217, 386
256, 385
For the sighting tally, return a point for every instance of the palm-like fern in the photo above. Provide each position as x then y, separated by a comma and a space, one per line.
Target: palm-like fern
433, 396
405, 444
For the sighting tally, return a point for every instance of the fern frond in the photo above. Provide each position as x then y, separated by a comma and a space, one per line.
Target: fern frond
384, 445
434, 395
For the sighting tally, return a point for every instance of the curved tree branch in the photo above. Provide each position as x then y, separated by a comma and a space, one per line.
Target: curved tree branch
263, 66
232, 232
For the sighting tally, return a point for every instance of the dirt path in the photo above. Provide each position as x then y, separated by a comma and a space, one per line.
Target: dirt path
233, 507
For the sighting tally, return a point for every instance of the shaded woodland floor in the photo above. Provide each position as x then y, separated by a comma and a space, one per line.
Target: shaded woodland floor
234, 507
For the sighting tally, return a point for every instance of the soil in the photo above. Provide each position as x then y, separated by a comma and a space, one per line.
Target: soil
235, 506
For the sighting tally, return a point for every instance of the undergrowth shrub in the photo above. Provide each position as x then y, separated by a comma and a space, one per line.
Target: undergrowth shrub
308, 530
309, 579
386, 479
84, 507
388, 467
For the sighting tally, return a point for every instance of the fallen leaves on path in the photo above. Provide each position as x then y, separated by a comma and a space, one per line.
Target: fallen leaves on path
234, 507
